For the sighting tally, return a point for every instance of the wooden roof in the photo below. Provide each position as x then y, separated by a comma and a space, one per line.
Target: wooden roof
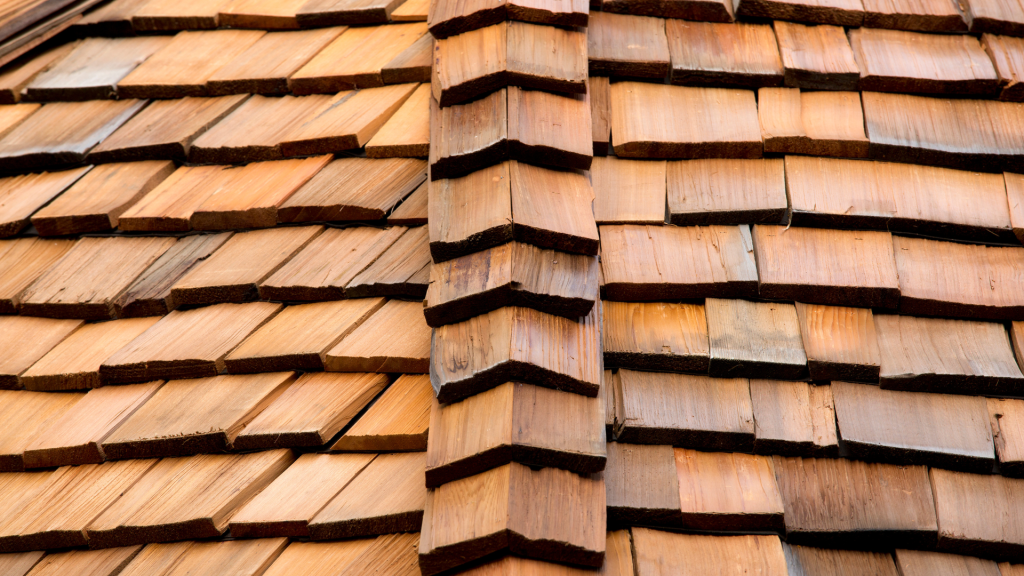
512, 287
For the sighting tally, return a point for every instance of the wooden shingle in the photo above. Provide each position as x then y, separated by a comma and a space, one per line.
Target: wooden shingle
690, 122
834, 12
163, 15
75, 437
817, 57
195, 416
939, 202
387, 496
26, 413
967, 505
927, 16
519, 344
21, 563
958, 280
552, 209
447, 19
1007, 55
919, 563
394, 552
56, 517
914, 428
254, 194
297, 338
692, 554
22, 261
714, 54
512, 274
18, 489
354, 189
234, 271
95, 201
948, 356
816, 123
165, 129
150, 294
671, 337
25, 194
412, 64
630, 46
355, 59
994, 17
413, 211
93, 562
347, 126
515, 422
186, 498
895, 61
87, 280
310, 411
793, 419
642, 485
646, 263
189, 344
1005, 419
63, 132
722, 491
14, 79
466, 138
183, 66
754, 339
726, 191
26, 340
407, 133
402, 270
308, 277
828, 501
264, 67
397, 421
903, 127
394, 339
320, 13
74, 363
840, 342
469, 214
628, 191
241, 557
498, 510
685, 410
294, 498
92, 70
255, 130
807, 561
476, 63
835, 267
261, 14
549, 129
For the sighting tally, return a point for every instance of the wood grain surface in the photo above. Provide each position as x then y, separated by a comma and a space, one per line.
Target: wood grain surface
834, 500
311, 411
515, 422
816, 57
793, 419
726, 191
840, 342
754, 339
394, 339
685, 410
629, 46
662, 553
715, 54
655, 263
397, 421
914, 427
642, 485
689, 122
656, 336
519, 344
945, 355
